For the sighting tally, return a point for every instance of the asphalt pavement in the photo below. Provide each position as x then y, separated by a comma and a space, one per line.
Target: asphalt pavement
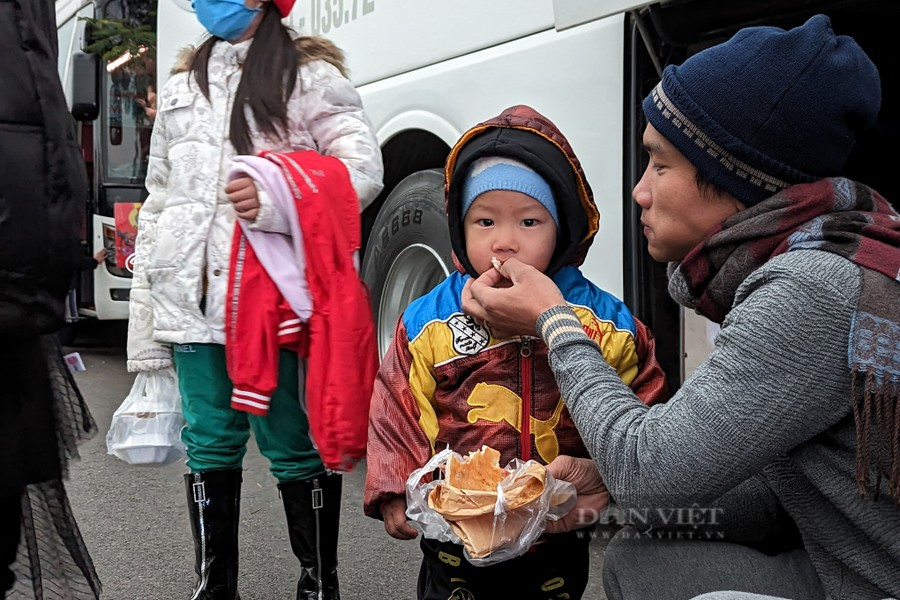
134, 519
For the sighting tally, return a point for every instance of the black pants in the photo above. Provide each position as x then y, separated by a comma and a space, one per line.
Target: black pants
10, 531
558, 568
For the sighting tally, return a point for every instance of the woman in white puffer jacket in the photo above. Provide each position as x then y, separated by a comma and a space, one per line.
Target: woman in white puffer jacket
250, 87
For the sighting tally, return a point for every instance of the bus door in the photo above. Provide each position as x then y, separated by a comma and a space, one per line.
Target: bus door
121, 138
668, 33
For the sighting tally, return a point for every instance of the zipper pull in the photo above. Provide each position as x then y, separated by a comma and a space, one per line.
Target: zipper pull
526, 347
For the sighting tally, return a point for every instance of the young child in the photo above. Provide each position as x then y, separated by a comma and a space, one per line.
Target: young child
514, 188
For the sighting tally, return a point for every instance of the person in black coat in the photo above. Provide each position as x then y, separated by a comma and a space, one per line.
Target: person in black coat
41, 200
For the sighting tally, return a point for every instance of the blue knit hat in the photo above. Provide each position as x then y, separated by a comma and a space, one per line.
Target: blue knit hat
501, 173
769, 108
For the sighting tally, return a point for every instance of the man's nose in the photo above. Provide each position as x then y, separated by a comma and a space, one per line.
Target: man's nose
641, 192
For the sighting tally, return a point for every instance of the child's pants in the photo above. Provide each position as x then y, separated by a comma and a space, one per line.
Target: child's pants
557, 568
216, 435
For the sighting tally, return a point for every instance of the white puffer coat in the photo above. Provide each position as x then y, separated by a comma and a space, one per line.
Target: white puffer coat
185, 227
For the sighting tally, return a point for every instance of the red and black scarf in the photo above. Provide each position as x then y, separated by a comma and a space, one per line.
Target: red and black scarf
848, 219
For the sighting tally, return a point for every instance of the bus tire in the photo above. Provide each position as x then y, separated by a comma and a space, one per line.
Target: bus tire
408, 251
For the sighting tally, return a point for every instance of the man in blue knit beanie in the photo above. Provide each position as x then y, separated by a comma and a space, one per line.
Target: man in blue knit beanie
784, 441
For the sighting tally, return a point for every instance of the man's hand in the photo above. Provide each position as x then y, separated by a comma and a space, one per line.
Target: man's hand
393, 512
509, 310
593, 498
242, 193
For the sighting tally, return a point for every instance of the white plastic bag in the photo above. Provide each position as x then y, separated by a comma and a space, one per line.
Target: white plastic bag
146, 428
511, 532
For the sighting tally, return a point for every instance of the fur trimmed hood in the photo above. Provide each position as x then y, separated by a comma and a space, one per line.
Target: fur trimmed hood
310, 49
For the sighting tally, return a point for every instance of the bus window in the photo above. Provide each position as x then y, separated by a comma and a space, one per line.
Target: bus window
128, 89
130, 109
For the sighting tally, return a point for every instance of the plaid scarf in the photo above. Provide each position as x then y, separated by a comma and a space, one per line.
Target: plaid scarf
847, 219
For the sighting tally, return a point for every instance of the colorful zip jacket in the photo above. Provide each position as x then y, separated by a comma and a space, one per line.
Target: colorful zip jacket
448, 382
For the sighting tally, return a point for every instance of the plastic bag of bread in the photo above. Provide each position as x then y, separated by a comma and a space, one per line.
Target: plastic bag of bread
496, 513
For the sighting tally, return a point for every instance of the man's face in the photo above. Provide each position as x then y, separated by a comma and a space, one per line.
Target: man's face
676, 214
505, 224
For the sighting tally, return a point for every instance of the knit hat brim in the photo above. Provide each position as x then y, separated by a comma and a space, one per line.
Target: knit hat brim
711, 149
502, 173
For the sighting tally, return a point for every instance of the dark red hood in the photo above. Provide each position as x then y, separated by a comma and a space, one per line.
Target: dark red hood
522, 133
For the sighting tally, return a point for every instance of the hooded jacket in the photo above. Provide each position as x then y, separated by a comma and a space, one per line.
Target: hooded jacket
447, 381
182, 251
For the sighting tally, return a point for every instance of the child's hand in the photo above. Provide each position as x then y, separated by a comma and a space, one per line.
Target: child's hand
242, 193
393, 512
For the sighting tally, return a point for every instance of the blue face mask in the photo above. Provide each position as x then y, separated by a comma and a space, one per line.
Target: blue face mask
227, 19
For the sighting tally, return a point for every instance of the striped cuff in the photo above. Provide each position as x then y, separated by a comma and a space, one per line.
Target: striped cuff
559, 324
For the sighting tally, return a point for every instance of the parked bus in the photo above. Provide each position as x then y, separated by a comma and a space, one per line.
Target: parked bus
109, 98
427, 71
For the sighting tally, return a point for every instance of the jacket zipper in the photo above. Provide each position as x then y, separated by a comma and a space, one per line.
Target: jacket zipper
208, 270
198, 487
526, 362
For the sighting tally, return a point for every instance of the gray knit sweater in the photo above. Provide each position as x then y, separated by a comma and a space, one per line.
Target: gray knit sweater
764, 424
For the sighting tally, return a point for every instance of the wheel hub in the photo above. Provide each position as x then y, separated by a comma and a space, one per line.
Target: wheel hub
415, 271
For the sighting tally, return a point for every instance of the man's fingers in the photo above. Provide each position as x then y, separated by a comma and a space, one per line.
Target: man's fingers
490, 278
470, 304
512, 269
562, 467
580, 472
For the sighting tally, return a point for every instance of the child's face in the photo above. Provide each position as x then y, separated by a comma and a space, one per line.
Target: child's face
505, 224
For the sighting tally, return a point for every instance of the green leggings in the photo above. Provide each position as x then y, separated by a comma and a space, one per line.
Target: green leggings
216, 435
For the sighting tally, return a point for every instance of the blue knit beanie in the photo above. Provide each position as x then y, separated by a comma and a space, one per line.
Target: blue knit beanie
769, 108
501, 173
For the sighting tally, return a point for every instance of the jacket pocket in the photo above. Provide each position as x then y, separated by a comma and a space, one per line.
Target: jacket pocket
174, 299
178, 109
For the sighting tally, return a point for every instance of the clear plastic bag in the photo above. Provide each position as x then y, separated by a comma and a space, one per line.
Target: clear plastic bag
146, 428
492, 526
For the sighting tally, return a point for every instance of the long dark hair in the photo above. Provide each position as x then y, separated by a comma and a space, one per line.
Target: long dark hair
271, 67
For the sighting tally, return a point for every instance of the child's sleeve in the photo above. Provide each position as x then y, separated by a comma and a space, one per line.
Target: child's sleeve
650, 383
402, 422
335, 118
145, 354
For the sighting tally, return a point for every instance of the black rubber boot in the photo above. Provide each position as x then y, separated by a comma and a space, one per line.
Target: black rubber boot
313, 509
214, 500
